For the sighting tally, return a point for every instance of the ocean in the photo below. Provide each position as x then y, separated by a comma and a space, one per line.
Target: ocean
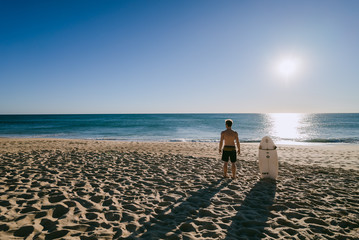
285, 128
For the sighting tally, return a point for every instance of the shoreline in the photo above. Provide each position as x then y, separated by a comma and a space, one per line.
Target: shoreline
51, 188
281, 142
344, 156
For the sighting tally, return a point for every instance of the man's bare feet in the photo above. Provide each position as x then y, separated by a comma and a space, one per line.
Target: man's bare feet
225, 176
234, 177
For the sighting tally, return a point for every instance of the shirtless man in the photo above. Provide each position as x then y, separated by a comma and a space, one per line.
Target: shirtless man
229, 150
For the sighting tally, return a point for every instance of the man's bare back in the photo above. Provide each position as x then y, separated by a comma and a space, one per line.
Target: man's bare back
229, 136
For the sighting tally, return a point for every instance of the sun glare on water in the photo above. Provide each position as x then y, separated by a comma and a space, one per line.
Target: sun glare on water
286, 126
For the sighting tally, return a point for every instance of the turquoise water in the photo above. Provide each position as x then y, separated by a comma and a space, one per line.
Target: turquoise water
283, 128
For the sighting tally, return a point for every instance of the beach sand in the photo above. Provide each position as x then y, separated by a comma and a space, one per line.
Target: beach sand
87, 189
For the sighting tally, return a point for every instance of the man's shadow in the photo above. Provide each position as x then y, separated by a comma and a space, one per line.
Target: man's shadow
181, 215
251, 218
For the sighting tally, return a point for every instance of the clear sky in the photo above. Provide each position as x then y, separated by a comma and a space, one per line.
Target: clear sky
160, 56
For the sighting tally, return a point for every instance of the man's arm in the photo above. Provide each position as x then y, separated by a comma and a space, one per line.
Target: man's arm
238, 144
221, 142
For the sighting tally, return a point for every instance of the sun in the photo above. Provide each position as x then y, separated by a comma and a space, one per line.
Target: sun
288, 67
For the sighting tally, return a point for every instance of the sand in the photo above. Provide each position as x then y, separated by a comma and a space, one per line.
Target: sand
86, 189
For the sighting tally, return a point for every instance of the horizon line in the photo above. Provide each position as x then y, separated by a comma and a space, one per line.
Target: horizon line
147, 113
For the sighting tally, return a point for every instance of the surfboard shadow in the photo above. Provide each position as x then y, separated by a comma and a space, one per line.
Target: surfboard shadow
180, 216
251, 218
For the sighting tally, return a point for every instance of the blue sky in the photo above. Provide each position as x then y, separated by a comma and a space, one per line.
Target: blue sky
178, 56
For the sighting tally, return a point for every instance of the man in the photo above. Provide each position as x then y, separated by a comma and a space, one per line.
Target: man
229, 137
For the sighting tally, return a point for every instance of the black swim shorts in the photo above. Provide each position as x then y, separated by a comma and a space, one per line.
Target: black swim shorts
229, 152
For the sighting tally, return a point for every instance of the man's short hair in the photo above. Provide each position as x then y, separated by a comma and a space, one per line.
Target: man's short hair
229, 122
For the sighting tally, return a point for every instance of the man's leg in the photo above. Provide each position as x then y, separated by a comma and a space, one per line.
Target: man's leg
225, 168
234, 170
233, 164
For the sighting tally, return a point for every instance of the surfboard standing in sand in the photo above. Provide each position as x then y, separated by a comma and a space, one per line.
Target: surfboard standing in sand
268, 158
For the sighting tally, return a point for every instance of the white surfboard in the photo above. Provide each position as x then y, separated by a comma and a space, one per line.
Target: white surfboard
268, 158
